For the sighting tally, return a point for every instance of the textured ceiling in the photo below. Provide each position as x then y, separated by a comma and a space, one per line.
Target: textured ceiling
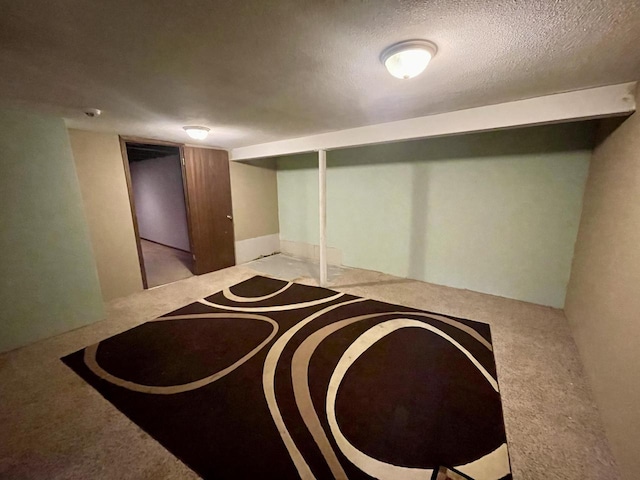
263, 70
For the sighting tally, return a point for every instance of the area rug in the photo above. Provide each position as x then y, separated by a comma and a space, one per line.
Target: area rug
269, 379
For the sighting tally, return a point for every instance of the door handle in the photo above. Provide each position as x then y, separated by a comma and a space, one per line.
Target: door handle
229, 217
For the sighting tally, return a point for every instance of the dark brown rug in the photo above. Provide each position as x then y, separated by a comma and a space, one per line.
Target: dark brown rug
269, 379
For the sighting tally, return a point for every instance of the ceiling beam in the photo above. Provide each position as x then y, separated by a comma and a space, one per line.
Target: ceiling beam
562, 107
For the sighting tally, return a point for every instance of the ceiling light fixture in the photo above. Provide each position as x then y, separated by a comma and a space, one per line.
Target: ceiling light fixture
409, 58
199, 133
93, 112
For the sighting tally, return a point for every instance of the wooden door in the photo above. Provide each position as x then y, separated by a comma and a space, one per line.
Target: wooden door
208, 189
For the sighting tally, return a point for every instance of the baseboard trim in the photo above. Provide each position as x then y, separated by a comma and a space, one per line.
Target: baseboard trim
253, 248
165, 245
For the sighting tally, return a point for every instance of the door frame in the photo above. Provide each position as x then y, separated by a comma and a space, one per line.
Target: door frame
127, 173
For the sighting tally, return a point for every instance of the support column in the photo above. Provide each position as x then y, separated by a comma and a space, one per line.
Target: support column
322, 210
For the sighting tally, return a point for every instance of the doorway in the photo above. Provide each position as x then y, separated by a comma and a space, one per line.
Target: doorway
180, 199
160, 205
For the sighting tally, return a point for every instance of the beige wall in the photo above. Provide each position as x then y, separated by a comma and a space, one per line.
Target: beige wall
603, 297
254, 194
104, 192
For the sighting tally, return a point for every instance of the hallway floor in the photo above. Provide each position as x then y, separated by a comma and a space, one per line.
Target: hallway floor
165, 264
55, 425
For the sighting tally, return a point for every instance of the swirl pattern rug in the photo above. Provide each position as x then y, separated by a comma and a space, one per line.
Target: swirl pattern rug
269, 379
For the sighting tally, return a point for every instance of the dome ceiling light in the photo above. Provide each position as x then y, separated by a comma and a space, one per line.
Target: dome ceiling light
409, 58
198, 133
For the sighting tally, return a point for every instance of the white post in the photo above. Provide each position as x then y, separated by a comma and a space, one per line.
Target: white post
322, 210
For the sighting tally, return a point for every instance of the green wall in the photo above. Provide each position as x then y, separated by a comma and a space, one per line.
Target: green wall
48, 279
493, 212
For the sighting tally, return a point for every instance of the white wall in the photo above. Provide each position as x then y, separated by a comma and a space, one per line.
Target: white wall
494, 212
159, 201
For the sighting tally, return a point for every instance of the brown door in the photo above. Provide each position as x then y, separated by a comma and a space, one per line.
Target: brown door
209, 208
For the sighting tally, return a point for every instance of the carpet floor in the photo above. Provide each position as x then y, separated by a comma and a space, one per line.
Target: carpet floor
272, 379
164, 264
56, 425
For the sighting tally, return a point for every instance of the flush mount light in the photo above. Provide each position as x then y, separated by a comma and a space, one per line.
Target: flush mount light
93, 112
199, 133
408, 59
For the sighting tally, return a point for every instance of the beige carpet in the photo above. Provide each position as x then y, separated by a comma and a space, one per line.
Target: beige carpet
54, 425
165, 264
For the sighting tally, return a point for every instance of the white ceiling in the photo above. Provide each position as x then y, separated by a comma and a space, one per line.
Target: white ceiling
263, 70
